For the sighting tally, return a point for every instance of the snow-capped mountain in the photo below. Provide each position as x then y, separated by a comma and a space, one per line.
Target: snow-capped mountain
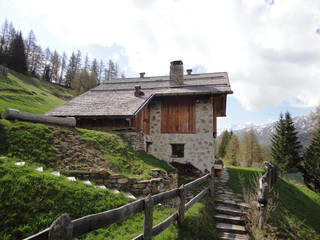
303, 124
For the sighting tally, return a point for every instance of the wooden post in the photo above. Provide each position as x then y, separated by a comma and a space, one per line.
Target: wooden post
181, 210
263, 195
61, 228
211, 183
148, 218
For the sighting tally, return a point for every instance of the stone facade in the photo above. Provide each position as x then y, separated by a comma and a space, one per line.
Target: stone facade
198, 147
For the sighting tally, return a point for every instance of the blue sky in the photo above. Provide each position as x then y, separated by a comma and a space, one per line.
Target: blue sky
270, 48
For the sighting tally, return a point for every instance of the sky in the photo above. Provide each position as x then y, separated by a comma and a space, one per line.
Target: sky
270, 48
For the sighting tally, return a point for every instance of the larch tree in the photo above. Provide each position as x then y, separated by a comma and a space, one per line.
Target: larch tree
63, 68
232, 151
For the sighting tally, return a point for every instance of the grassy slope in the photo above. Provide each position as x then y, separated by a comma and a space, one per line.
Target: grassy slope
31, 200
30, 94
297, 205
32, 142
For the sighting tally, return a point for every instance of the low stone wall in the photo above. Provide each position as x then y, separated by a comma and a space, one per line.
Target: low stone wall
160, 181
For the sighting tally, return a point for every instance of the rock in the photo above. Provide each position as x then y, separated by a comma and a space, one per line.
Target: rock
71, 179
39, 169
19, 163
129, 195
87, 182
123, 180
116, 191
56, 173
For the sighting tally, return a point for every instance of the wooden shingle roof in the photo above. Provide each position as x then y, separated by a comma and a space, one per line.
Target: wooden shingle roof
116, 98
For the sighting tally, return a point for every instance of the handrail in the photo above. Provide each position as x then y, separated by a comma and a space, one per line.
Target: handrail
92, 222
266, 184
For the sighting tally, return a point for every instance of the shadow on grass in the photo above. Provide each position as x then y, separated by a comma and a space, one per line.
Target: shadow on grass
154, 162
299, 203
199, 221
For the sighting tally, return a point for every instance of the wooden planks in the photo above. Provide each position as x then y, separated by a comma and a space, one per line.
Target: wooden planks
142, 121
178, 115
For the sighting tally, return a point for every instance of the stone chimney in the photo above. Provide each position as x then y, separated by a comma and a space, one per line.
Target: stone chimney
176, 73
137, 90
142, 74
189, 71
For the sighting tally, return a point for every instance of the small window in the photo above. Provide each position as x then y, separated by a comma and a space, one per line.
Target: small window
148, 145
177, 150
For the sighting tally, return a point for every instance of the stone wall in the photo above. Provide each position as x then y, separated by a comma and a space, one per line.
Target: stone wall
198, 147
160, 181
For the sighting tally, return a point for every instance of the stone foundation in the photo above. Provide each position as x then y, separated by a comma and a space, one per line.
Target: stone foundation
160, 181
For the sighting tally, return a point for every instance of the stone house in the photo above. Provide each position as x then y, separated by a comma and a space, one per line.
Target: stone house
172, 117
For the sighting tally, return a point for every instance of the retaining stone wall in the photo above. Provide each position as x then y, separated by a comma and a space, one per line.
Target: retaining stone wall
160, 181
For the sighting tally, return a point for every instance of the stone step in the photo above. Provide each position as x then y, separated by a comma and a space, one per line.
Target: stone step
232, 236
231, 228
222, 209
233, 203
223, 218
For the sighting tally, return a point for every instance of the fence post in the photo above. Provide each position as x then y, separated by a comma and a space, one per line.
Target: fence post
148, 218
181, 210
61, 228
262, 199
211, 182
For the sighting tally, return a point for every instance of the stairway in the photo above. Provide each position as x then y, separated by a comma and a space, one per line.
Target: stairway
230, 211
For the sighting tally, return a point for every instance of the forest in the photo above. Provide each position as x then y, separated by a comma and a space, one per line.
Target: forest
285, 150
25, 56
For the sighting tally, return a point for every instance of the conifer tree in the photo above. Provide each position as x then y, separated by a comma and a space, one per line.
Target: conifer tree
310, 165
17, 55
226, 135
285, 147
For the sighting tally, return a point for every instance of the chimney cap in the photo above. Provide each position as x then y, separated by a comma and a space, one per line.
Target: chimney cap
142, 74
177, 62
189, 71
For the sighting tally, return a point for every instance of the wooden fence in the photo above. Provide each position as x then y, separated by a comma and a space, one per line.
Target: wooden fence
266, 184
63, 228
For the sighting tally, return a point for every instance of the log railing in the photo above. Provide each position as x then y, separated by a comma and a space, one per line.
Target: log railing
266, 184
63, 228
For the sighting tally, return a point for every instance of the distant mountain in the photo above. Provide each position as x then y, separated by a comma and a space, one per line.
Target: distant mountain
303, 124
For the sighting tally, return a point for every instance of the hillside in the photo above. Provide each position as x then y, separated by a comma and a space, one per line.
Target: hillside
30, 94
295, 211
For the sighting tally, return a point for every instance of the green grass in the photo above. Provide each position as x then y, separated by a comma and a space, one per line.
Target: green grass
123, 159
30, 201
32, 142
297, 213
30, 94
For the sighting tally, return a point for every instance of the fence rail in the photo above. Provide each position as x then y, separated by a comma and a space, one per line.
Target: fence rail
92, 222
266, 184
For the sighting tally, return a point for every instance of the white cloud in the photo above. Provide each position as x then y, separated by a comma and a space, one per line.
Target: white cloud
269, 47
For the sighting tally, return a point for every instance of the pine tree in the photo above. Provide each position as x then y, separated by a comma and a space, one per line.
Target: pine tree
17, 55
310, 165
285, 147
